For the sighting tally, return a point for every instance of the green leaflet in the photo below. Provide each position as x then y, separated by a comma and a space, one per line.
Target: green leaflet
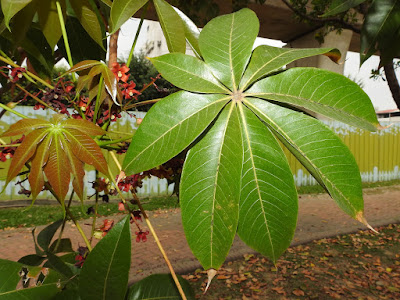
105, 272
267, 59
188, 116
268, 200
188, 72
226, 43
321, 91
122, 10
339, 6
323, 154
10, 8
210, 189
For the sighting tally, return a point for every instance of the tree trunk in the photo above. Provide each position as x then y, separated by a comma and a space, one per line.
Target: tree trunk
113, 49
393, 83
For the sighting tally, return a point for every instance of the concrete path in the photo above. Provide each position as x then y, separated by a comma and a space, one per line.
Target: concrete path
319, 217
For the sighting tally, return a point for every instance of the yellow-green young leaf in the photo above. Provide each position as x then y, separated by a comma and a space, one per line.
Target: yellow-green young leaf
84, 126
321, 91
268, 200
49, 21
172, 26
88, 18
11, 7
36, 178
25, 151
122, 10
226, 43
83, 65
267, 59
25, 126
86, 149
210, 190
77, 171
58, 169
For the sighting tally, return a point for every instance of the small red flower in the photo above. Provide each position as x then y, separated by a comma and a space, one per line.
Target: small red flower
121, 206
16, 74
107, 225
129, 90
141, 236
39, 106
120, 72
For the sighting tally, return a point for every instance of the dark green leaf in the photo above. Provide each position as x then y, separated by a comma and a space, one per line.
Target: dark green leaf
339, 6
159, 286
22, 21
323, 154
55, 263
172, 26
321, 91
46, 235
11, 7
210, 190
188, 73
267, 59
9, 276
49, 21
192, 33
105, 272
41, 292
158, 138
32, 260
226, 43
122, 10
268, 200
65, 245
88, 18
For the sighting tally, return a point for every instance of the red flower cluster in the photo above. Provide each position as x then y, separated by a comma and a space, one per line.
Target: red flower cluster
129, 90
133, 181
16, 74
8, 152
120, 72
141, 236
107, 225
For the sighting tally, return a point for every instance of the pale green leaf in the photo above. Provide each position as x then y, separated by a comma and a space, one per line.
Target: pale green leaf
340, 6
122, 10
11, 7
268, 200
323, 154
324, 92
159, 138
105, 272
88, 18
267, 59
210, 190
188, 73
226, 43
172, 26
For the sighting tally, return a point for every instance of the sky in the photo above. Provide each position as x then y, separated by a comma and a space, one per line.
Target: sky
377, 90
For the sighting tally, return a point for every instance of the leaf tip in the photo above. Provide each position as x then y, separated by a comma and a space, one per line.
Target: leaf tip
210, 274
334, 55
360, 218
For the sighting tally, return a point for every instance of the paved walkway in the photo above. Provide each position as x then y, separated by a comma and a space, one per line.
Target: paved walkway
319, 217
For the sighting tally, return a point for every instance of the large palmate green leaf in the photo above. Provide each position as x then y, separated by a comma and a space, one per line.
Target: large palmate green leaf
210, 190
171, 25
105, 272
321, 91
189, 115
159, 286
226, 45
323, 153
267, 59
122, 10
268, 201
179, 71
236, 177
11, 7
339, 6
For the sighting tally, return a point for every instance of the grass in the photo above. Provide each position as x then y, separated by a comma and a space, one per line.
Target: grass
358, 266
45, 214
